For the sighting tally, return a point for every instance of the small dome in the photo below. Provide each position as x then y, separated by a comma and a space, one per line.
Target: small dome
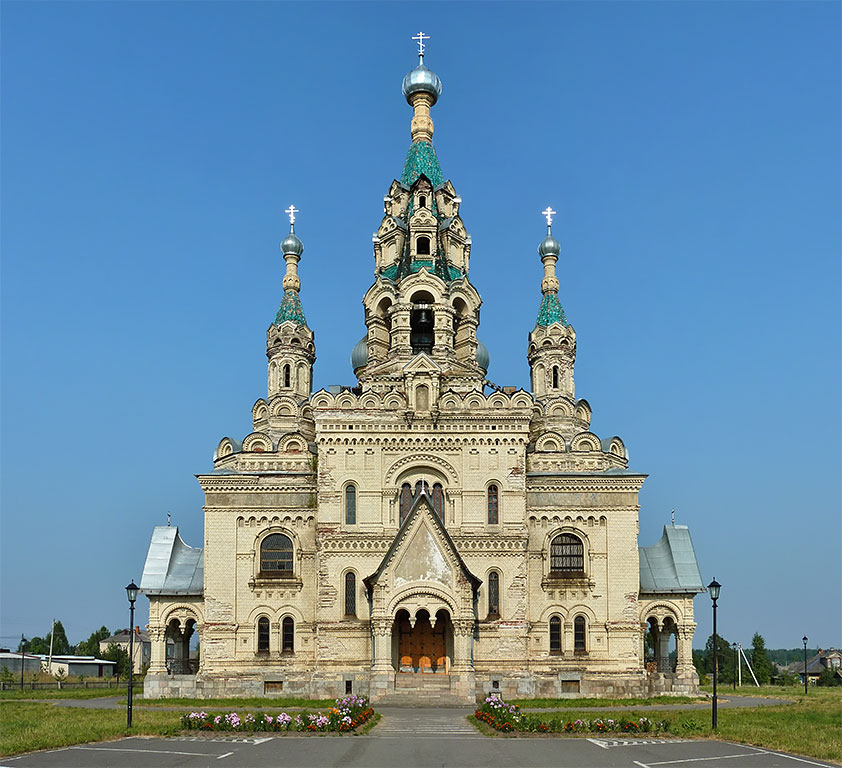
483, 358
359, 355
549, 246
421, 80
291, 245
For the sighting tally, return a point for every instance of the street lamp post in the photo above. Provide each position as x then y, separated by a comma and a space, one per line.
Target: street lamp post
804, 640
131, 592
714, 588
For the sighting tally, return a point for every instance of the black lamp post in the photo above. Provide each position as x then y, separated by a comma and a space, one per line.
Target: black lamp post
804, 640
714, 588
736, 664
131, 592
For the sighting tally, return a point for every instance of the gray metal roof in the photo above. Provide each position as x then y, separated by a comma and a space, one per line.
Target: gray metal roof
172, 567
670, 564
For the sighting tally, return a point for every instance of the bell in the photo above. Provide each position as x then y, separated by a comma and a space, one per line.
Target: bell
424, 317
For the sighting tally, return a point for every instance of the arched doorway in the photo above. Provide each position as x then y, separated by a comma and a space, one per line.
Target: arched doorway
421, 643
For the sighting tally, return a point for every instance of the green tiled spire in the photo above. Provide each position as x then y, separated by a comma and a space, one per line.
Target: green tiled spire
290, 309
551, 311
421, 158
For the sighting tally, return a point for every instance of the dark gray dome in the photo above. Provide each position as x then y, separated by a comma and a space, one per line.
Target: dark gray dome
483, 358
549, 246
291, 245
359, 355
422, 80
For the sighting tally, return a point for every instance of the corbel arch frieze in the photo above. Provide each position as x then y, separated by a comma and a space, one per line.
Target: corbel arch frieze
421, 459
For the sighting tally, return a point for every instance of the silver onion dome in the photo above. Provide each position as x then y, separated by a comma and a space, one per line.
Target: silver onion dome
421, 80
549, 246
359, 355
483, 358
291, 245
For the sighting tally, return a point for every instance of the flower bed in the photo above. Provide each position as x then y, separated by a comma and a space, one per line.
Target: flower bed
348, 715
508, 717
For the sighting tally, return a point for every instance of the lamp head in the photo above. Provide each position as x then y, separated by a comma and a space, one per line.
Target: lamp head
131, 592
804, 640
714, 588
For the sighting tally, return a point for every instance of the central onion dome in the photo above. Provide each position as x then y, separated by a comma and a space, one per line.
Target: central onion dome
291, 245
421, 80
549, 245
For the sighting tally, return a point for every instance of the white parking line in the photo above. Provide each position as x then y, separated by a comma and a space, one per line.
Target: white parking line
756, 752
151, 751
227, 754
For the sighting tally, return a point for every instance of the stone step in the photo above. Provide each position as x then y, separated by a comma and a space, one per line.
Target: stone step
420, 699
423, 684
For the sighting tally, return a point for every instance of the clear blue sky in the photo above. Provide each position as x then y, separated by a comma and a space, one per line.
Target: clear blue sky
691, 149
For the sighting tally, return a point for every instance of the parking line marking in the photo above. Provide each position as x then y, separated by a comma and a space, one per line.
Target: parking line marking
151, 751
799, 759
227, 754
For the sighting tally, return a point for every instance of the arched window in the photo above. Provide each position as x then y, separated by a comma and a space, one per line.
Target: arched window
287, 635
350, 505
406, 500
493, 594
555, 635
276, 555
422, 201
422, 246
493, 505
350, 594
286, 375
567, 556
579, 634
263, 635
555, 377
438, 500
422, 487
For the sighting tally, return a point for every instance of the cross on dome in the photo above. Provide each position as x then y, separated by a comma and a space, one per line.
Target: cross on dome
292, 210
549, 213
421, 37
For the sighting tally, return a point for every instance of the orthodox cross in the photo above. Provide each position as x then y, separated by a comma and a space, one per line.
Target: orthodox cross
292, 210
421, 37
169, 519
549, 213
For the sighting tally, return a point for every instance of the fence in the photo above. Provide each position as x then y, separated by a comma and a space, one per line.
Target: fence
113, 684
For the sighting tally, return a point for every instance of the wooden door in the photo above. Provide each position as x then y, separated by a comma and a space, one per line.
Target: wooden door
421, 646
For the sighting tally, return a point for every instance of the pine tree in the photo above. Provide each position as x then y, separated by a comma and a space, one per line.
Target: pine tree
759, 660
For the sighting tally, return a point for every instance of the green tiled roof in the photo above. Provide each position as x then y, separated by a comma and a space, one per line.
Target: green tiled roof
417, 265
421, 158
551, 311
290, 309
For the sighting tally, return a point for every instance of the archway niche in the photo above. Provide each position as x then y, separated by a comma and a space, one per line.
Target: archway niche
421, 643
421, 322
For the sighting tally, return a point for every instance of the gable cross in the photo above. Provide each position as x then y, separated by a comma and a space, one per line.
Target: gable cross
549, 213
292, 210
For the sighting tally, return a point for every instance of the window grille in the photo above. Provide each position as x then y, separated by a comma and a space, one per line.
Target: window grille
350, 594
493, 505
350, 505
567, 555
276, 555
438, 500
579, 645
493, 593
406, 500
288, 635
263, 634
555, 635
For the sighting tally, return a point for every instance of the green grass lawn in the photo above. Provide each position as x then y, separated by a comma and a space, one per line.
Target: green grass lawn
67, 693
579, 703
25, 726
267, 704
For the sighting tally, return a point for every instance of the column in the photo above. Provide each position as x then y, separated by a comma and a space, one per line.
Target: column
158, 659
462, 631
382, 645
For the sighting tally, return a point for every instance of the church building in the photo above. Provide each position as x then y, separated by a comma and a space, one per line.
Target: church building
423, 531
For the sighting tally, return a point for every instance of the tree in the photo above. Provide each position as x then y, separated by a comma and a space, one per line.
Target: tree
121, 656
90, 647
60, 645
829, 677
725, 655
759, 660
35, 645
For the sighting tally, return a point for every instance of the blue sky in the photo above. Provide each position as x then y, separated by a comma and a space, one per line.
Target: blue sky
691, 150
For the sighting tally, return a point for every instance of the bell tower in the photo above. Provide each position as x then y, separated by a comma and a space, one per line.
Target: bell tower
290, 344
422, 302
552, 343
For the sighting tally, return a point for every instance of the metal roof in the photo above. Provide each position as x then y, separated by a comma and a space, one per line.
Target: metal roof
670, 564
172, 567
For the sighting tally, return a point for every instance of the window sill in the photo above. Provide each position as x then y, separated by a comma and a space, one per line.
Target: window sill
265, 581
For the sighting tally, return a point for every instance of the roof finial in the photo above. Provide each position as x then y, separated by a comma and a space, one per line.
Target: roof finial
169, 519
291, 211
673, 517
421, 37
549, 213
